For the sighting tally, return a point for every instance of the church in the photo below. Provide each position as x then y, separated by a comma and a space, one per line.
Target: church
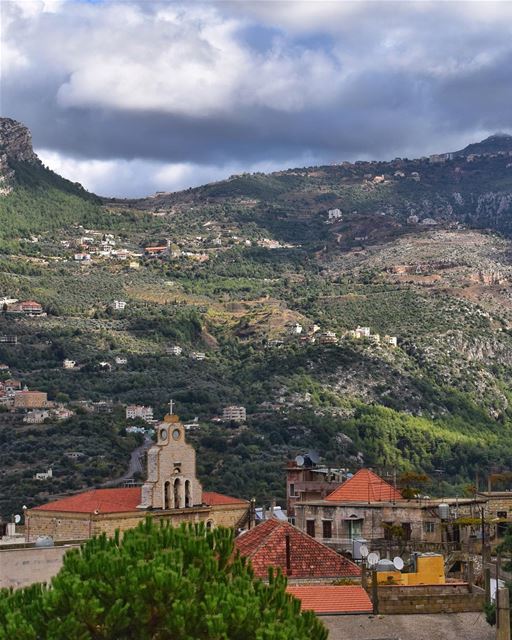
171, 493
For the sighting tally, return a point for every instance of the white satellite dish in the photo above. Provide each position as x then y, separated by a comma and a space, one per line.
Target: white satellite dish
372, 559
299, 460
399, 563
363, 550
17, 519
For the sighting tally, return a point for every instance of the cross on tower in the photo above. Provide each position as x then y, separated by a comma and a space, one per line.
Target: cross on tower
171, 405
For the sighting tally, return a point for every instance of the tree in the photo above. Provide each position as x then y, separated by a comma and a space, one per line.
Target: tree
158, 583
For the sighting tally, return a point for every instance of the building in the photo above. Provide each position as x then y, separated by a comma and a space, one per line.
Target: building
367, 507
296, 329
307, 481
362, 332
139, 411
175, 350
170, 493
68, 364
234, 414
45, 475
328, 337
279, 545
30, 399
334, 215
198, 355
332, 600
391, 341
121, 360
82, 257
27, 307
36, 416
119, 305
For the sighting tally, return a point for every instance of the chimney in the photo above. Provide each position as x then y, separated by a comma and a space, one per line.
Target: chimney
288, 555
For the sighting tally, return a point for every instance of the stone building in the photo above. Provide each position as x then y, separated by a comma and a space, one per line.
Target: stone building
171, 492
367, 507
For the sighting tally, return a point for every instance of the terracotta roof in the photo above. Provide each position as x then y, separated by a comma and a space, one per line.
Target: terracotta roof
101, 500
265, 545
365, 486
213, 499
329, 599
119, 501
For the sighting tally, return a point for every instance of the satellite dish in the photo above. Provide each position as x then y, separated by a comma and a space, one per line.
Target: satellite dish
350, 475
313, 456
299, 460
17, 519
363, 550
372, 559
399, 563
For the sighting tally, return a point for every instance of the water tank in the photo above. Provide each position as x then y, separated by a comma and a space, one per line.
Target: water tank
444, 511
357, 543
44, 541
385, 565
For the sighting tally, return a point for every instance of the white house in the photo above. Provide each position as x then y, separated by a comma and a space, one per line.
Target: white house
119, 305
390, 340
363, 332
334, 214
68, 364
296, 329
139, 411
198, 355
47, 475
175, 350
234, 414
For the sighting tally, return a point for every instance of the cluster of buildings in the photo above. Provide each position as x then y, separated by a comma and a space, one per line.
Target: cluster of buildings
34, 404
316, 336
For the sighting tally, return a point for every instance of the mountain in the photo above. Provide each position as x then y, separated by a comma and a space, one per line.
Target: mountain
495, 144
417, 249
32, 197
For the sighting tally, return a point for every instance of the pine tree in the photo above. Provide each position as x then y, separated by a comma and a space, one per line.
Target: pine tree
158, 583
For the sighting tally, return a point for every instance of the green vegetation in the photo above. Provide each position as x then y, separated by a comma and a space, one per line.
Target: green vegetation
157, 583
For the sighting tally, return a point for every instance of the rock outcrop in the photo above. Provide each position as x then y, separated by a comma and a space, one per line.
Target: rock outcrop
16, 141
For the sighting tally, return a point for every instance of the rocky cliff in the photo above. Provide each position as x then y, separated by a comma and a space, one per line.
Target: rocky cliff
15, 147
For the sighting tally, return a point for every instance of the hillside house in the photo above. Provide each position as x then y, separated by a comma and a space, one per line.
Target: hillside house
121, 360
175, 350
119, 305
134, 411
334, 215
234, 414
82, 257
296, 329
26, 399
328, 337
362, 332
46, 475
36, 416
391, 341
68, 364
26, 307
308, 481
198, 355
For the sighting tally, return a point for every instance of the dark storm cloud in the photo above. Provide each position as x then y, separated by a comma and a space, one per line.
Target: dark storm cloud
207, 88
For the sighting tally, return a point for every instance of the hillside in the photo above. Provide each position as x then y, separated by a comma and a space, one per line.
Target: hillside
413, 249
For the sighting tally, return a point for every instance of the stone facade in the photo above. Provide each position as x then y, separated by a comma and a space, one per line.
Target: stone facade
171, 480
446, 598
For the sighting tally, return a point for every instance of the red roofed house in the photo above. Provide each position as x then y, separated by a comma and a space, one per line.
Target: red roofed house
278, 544
367, 507
171, 492
28, 307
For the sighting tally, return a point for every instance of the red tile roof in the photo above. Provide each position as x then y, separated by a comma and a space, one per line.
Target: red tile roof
365, 486
101, 500
213, 499
119, 501
265, 545
329, 599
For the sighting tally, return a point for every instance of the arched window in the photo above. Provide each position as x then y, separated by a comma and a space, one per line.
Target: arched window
209, 525
188, 496
177, 502
167, 495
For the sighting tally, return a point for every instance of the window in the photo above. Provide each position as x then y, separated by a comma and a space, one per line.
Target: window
388, 530
429, 527
327, 528
406, 531
355, 528
310, 528
502, 514
292, 490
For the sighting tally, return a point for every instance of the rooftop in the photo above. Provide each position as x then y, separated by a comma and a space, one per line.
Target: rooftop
365, 486
329, 599
119, 500
265, 545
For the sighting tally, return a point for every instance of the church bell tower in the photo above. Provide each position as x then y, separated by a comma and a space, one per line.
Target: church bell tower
171, 473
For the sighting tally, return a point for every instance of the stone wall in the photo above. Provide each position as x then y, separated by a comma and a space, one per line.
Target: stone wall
22, 567
446, 598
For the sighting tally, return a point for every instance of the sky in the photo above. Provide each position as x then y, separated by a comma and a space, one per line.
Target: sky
132, 97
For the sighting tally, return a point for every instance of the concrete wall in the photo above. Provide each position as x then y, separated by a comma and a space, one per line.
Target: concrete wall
446, 598
22, 567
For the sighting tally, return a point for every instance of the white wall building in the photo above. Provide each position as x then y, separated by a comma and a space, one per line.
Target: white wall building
139, 411
234, 414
